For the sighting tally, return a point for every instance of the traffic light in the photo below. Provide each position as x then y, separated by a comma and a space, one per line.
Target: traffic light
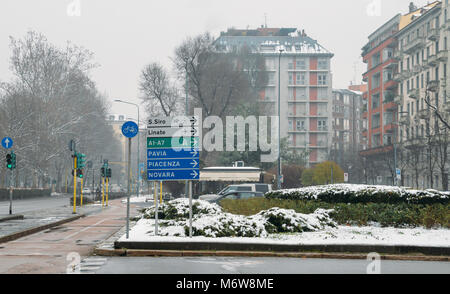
103, 170
13, 160
9, 161
80, 173
81, 158
108, 173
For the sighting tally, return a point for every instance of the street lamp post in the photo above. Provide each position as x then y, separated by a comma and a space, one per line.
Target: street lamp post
139, 136
279, 122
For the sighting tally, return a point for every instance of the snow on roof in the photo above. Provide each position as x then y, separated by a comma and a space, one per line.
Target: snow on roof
296, 44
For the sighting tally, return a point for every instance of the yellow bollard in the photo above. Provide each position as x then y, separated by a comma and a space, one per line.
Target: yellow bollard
74, 184
160, 192
107, 183
103, 191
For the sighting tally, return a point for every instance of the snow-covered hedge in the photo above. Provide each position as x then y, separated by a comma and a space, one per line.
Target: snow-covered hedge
209, 220
349, 193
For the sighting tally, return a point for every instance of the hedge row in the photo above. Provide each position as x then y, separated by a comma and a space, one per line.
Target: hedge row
347, 193
386, 215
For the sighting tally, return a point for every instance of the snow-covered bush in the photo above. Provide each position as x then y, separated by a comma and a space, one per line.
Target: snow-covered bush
179, 209
349, 193
210, 220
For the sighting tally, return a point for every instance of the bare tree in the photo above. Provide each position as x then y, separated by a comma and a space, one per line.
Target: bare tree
50, 101
158, 93
214, 80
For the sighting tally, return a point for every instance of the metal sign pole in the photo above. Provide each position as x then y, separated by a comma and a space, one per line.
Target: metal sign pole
156, 209
128, 194
10, 192
190, 209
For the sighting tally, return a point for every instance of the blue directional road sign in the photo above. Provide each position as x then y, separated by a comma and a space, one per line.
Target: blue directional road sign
178, 163
130, 129
7, 142
169, 158
173, 174
172, 153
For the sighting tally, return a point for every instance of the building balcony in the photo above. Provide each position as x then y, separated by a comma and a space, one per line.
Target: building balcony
414, 94
424, 113
398, 99
433, 35
417, 69
398, 77
398, 55
442, 56
416, 44
443, 82
405, 120
432, 60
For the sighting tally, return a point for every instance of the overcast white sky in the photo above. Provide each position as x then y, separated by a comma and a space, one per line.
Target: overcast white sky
126, 35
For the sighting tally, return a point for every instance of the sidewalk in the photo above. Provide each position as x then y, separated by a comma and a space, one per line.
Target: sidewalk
47, 251
34, 221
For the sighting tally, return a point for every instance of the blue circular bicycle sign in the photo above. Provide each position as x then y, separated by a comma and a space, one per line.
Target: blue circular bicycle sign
130, 129
7, 142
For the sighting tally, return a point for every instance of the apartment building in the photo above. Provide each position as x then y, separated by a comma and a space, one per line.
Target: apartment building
346, 126
422, 55
305, 84
405, 56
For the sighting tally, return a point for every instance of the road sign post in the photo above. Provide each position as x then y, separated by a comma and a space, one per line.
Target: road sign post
172, 153
130, 130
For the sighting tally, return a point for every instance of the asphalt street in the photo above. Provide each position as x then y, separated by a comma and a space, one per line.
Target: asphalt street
27, 205
256, 265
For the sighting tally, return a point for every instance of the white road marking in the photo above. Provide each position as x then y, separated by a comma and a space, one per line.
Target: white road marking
85, 229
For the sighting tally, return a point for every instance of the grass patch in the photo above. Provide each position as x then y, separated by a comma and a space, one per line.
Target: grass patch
387, 215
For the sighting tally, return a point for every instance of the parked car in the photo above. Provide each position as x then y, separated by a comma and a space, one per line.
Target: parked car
236, 195
253, 190
87, 191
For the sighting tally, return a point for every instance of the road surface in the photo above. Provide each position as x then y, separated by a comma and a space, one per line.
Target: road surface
27, 205
257, 265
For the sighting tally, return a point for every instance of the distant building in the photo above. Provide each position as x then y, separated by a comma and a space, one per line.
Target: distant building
305, 84
346, 126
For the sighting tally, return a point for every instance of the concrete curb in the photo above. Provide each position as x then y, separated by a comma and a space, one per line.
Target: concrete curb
261, 247
11, 217
191, 253
34, 230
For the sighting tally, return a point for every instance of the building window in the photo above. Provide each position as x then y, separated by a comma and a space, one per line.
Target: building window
322, 64
322, 94
301, 125
301, 64
375, 101
322, 79
375, 81
300, 79
271, 78
322, 125
375, 121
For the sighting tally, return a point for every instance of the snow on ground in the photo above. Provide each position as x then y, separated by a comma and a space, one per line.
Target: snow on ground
341, 235
140, 199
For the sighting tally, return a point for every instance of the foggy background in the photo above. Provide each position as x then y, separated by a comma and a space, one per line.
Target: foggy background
126, 35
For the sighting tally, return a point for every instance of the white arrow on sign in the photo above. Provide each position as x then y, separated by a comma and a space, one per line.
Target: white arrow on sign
7, 143
194, 153
194, 163
194, 173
